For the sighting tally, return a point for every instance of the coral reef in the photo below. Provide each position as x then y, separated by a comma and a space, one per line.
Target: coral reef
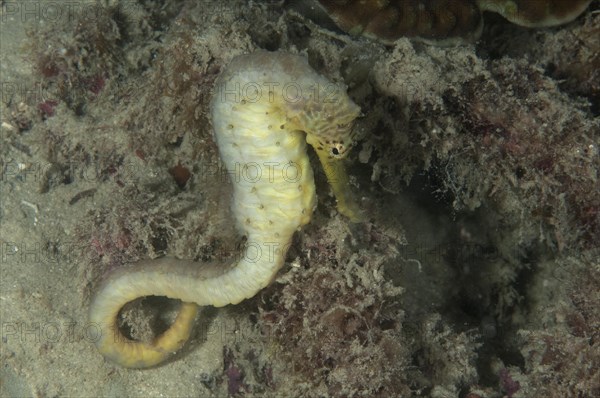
528, 153
334, 319
477, 163
562, 359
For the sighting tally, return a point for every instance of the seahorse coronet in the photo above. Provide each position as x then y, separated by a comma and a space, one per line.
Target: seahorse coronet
265, 108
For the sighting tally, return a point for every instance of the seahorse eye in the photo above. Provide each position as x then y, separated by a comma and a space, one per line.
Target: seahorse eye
338, 150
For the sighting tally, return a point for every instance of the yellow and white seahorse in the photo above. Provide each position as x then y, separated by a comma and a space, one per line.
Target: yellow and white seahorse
265, 108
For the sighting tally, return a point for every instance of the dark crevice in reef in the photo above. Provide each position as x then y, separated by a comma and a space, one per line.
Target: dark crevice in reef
479, 300
472, 298
496, 30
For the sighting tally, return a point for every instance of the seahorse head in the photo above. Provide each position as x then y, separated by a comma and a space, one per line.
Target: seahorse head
328, 123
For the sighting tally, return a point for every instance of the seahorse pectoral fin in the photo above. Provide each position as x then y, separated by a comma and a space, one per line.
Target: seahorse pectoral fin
340, 184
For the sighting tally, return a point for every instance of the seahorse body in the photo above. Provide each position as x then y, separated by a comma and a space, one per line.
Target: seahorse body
265, 108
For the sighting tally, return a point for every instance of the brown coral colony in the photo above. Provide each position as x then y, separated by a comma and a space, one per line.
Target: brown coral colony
390, 20
443, 19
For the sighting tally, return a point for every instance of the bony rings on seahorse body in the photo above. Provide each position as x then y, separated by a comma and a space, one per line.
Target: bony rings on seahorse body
265, 108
